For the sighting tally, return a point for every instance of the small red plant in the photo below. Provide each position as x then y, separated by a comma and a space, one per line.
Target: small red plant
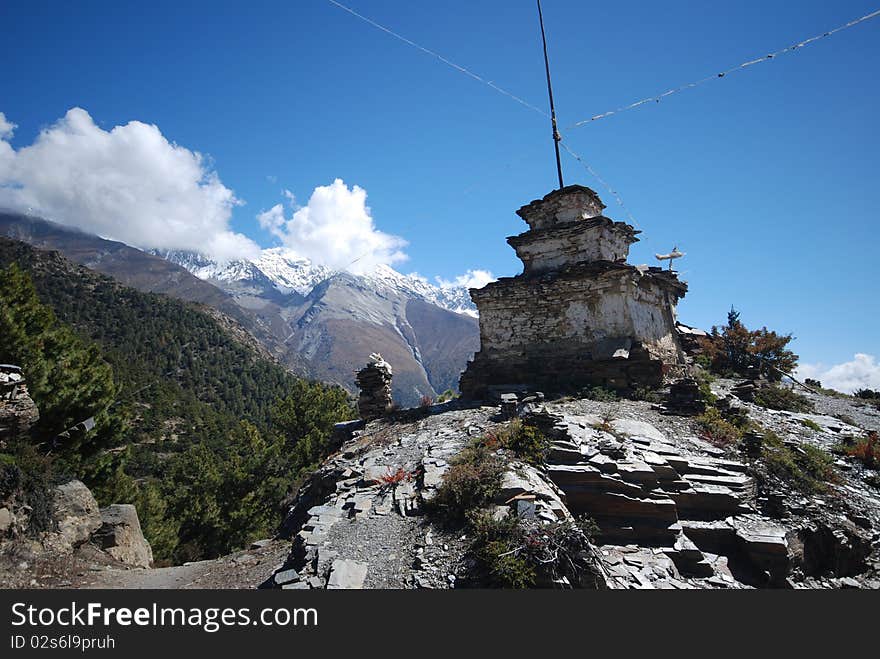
393, 478
492, 441
866, 450
426, 401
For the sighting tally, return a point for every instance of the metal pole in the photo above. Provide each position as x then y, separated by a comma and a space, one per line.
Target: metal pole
556, 136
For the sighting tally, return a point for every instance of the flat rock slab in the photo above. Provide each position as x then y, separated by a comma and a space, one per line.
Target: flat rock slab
634, 428
757, 532
347, 574
523, 481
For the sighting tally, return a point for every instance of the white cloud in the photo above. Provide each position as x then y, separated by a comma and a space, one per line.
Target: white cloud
6, 127
470, 279
129, 183
863, 372
334, 229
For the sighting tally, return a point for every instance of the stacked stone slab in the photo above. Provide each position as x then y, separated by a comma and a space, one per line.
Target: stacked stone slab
745, 390
18, 412
684, 399
374, 382
578, 315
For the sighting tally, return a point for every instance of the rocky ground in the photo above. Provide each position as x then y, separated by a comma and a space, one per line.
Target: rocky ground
674, 511
89, 568
356, 531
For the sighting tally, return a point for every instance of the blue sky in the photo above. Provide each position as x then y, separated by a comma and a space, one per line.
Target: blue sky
767, 179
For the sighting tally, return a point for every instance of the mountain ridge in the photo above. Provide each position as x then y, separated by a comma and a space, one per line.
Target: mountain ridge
315, 321
289, 273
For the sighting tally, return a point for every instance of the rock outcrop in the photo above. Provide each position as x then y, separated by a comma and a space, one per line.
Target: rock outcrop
672, 510
120, 536
362, 520
76, 515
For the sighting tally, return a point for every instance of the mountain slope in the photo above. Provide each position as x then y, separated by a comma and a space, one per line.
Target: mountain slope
143, 271
204, 430
334, 320
342, 321
445, 342
316, 321
187, 355
288, 274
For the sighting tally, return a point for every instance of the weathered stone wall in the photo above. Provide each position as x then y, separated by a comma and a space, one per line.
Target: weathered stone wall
597, 239
574, 202
556, 368
519, 315
579, 314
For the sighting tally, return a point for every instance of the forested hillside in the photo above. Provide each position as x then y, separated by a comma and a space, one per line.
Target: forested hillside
203, 432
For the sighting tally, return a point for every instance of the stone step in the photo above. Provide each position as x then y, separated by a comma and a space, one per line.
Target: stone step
688, 558
637, 472
639, 533
731, 480
766, 545
575, 480
716, 536
707, 501
564, 454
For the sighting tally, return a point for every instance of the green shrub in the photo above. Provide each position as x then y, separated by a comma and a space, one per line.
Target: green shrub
601, 394
516, 553
525, 441
812, 425
471, 482
646, 394
27, 476
805, 467
716, 429
703, 360
447, 395
704, 381
782, 398
497, 546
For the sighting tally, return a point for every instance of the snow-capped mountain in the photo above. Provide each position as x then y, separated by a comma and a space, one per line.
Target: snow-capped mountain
332, 320
321, 323
288, 273
452, 298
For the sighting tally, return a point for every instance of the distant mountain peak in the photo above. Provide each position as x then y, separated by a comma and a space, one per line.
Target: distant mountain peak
289, 273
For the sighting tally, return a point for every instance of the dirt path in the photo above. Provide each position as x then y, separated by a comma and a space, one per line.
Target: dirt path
245, 569
179, 576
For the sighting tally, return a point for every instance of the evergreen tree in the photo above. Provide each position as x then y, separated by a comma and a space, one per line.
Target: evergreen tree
733, 349
66, 376
207, 435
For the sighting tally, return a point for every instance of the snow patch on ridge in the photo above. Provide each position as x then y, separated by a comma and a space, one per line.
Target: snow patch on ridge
289, 273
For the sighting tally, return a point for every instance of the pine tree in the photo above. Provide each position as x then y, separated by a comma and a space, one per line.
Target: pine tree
66, 376
733, 349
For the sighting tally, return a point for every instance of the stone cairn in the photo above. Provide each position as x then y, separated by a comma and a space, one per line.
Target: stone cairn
684, 399
374, 381
745, 390
18, 413
509, 404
